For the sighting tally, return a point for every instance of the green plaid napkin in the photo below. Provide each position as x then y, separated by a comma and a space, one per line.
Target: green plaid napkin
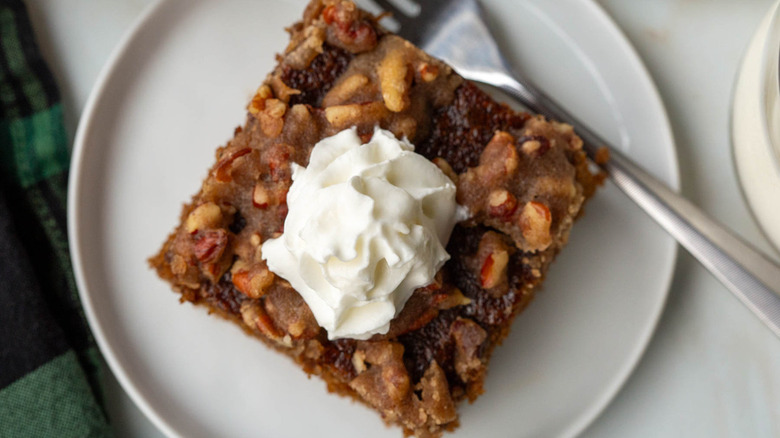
49, 365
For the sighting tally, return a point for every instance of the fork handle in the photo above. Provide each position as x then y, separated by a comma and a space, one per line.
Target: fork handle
749, 274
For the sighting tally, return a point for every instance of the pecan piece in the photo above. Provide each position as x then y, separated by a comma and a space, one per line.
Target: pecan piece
254, 315
257, 103
178, 265
352, 31
206, 215
253, 281
277, 157
436, 398
535, 222
500, 150
210, 245
395, 80
272, 117
494, 268
469, 337
534, 145
428, 72
492, 260
345, 89
225, 165
385, 384
501, 203
343, 116
260, 196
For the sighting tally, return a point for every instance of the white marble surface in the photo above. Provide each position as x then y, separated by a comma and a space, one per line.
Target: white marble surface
712, 369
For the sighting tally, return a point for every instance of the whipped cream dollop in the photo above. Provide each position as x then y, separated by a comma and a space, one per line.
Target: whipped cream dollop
367, 225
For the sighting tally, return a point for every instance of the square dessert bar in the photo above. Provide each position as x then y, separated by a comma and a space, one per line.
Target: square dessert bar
523, 180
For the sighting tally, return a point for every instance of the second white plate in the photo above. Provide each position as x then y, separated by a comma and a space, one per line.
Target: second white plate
177, 88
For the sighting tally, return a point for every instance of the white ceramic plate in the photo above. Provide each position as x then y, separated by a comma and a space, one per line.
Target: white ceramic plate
175, 90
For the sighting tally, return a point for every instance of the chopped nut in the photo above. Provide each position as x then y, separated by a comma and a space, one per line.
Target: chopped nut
467, 177
436, 398
563, 128
260, 196
423, 306
531, 146
210, 245
264, 92
501, 149
239, 265
537, 131
445, 167
354, 34
275, 108
249, 313
277, 157
406, 127
469, 337
260, 281
207, 215
300, 111
342, 116
456, 298
535, 222
394, 80
428, 72
296, 328
251, 281
194, 285
223, 169
386, 383
271, 118
258, 101
493, 270
359, 361
501, 203
282, 90
344, 90
240, 280
314, 349
575, 143
491, 263
178, 265
396, 380
305, 48
255, 239
330, 14
254, 316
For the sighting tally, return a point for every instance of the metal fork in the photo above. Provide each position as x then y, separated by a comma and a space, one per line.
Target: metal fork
455, 31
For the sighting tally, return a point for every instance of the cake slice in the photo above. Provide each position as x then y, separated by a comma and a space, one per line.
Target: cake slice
521, 179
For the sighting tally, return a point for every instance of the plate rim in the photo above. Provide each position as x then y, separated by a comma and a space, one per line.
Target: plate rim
588, 417
75, 179
579, 424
